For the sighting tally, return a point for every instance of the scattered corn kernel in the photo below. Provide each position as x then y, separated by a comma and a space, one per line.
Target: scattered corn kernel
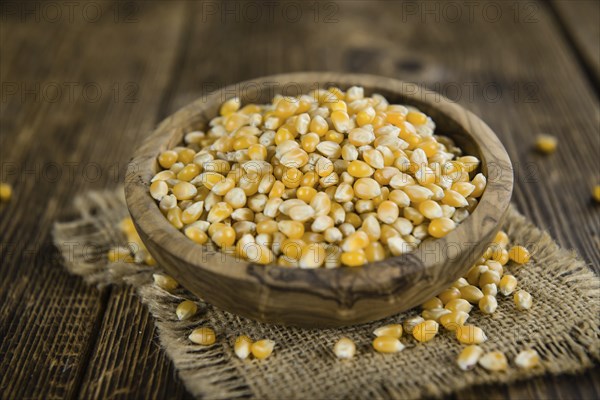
546, 143
468, 358
494, 361
507, 285
165, 282
387, 344
262, 348
527, 359
242, 347
470, 334
425, 331
393, 330
186, 309
344, 348
204, 336
523, 300
5, 192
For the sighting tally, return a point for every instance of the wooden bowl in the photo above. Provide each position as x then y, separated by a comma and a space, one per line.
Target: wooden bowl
322, 297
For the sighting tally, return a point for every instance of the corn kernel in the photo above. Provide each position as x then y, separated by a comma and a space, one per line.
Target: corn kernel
470, 334
344, 348
527, 359
204, 336
393, 330
165, 282
242, 347
468, 358
387, 344
262, 348
186, 309
546, 143
523, 300
425, 331
494, 361
519, 254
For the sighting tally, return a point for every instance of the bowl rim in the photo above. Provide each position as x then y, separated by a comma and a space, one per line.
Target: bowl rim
149, 219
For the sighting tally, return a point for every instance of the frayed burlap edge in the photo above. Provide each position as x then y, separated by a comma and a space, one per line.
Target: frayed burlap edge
563, 325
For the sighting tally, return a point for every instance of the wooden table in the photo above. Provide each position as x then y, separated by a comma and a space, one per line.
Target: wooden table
83, 83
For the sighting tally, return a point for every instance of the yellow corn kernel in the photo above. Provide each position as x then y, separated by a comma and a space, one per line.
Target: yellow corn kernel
488, 277
374, 252
452, 320
165, 282
196, 234
208, 178
266, 226
360, 169
262, 348
454, 199
416, 193
409, 324
425, 331
491, 289
434, 302
519, 254
258, 253
523, 300
6, 192
507, 285
291, 229
501, 239
500, 255
449, 294
291, 178
353, 258
435, 313
366, 188
344, 348
219, 212
257, 152
596, 193
356, 241
388, 212
468, 358
494, 361
527, 359
309, 142
242, 347
174, 217
230, 106
186, 309
416, 118
387, 344
488, 304
471, 293
393, 330
440, 227
167, 158
459, 305
546, 143
224, 236
313, 256
430, 209
470, 334
204, 336
282, 135
341, 121
480, 182
286, 107
277, 190
319, 126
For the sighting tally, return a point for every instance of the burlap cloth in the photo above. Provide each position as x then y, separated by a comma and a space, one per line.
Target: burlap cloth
563, 325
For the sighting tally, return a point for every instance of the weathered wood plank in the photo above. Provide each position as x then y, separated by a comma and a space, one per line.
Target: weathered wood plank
69, 107
580, 20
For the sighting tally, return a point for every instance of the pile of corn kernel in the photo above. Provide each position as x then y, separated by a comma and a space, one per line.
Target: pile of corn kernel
451, 308
325, 179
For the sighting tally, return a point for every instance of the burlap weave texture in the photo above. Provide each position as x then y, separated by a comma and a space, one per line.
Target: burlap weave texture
563, 325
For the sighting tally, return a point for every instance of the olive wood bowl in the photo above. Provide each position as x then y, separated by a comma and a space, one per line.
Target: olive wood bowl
322, 297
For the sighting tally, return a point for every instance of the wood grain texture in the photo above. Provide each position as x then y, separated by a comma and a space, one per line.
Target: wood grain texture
319, 298
580, 20
529, 60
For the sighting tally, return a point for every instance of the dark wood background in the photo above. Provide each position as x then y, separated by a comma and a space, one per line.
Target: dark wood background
83, 83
